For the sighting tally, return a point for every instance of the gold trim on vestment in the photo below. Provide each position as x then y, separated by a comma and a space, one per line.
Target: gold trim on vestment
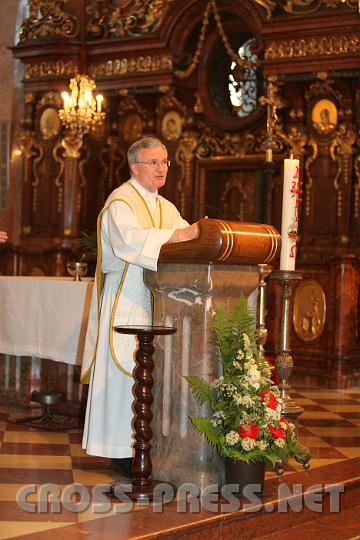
111, 329
99, 283
100, 278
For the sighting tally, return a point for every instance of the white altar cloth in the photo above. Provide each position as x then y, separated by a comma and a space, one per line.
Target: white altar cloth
44, 317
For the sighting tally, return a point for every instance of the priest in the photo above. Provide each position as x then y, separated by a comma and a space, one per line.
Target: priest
132, 227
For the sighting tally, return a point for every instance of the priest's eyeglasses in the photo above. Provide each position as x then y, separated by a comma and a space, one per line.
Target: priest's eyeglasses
156, 162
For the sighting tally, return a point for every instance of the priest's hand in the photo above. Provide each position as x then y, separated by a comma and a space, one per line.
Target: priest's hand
181, 235
3, 237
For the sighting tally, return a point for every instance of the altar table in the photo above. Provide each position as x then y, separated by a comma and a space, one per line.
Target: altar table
44, 317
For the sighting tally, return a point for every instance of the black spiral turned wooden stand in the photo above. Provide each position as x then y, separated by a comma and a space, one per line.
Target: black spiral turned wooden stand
142, 484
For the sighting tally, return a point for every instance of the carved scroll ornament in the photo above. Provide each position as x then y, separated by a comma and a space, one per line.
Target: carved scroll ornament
120, 18
47, 18
126, 66
321, 46
302, 6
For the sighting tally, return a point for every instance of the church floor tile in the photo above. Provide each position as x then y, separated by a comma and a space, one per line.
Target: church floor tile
31, 459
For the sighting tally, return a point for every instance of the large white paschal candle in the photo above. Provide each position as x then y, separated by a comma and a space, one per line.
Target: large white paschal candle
290, 214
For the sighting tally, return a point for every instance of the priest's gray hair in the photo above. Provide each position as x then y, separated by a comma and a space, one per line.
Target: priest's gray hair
146, 142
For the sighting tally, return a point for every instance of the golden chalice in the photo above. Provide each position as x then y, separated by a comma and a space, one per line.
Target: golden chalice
77, 269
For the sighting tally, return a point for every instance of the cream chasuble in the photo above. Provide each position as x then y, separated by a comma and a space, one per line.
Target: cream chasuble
132, 227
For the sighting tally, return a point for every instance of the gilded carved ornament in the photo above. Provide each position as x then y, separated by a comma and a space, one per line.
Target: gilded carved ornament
50, 68
72, 145
302, 6
58, 158
320, 46
356, 186
184, 157
296, 134
341, 151
122, 18
323, 89
82, 178
32, 153
309, 179
47, 18
125, 66
227, 144
50, 99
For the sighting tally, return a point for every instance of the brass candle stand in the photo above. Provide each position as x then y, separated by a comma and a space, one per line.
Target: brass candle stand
264, 271
287, 280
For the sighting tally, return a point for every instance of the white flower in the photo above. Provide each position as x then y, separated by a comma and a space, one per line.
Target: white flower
240, 354
238, 399
248, 444
236, 364
246, 340
266, 372
254, 374
272, 414
232, 438
246, 400
254, 383
280, 443
262, 445
230, 389
217, 418
283, 425
217, 383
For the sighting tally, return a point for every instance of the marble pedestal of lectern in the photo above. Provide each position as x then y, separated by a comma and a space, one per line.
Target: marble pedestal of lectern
187, 297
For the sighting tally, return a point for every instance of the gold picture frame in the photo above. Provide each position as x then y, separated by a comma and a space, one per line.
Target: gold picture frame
49, 123
171, 126
309, 314
324, 116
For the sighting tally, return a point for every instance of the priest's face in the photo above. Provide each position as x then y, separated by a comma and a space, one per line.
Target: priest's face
151, 168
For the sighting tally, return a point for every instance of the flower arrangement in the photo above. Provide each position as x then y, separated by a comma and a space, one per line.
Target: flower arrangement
245, 421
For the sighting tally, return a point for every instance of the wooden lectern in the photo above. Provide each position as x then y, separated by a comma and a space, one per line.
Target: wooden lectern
193, 279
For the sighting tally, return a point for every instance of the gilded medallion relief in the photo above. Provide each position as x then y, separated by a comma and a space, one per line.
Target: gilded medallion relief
309, 313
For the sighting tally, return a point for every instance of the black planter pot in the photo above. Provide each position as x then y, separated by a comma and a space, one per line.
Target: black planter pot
247, 477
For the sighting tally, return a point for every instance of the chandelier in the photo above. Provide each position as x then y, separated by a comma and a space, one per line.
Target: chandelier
82, 111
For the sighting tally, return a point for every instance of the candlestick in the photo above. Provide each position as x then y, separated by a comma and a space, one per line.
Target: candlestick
284, 360
289, 223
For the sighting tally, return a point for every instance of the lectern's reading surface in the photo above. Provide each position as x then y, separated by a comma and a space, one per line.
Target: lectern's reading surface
226, 242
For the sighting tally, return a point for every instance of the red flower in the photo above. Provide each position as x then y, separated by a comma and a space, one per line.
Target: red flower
251, 431
277, 433
269, 398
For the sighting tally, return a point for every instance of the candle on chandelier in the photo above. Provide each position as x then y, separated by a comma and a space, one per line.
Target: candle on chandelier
66, 99
99, 100
290, 213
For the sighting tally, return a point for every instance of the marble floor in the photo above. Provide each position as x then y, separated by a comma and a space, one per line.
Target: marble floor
33, 461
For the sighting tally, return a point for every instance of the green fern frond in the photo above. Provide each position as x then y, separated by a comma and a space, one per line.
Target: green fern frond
211, 433
201, 389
